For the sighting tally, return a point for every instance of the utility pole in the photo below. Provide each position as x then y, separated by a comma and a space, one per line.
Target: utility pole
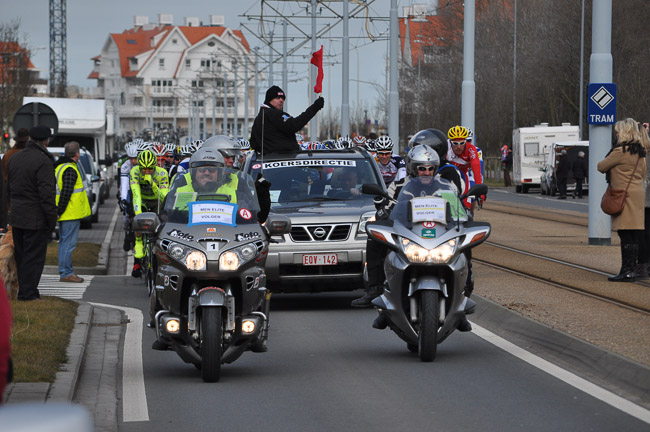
58, 49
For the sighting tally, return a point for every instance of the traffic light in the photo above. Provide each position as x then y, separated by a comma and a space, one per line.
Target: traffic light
5, 137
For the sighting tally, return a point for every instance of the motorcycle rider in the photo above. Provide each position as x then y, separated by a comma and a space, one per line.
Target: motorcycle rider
149, 186
392, 167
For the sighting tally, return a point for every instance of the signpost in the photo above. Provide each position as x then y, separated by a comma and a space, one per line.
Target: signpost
602, 104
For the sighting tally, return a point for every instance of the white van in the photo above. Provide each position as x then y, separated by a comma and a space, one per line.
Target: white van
548, 179
530, 145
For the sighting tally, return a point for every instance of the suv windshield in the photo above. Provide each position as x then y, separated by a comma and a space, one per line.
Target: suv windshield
212, 195
87, 163
317, 179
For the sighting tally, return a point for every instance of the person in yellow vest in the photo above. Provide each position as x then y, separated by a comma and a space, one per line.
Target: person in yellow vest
72, 206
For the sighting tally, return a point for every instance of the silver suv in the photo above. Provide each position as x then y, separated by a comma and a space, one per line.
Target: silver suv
320, 192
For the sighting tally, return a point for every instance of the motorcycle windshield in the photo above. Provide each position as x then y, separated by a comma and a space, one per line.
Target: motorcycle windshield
428, 199
212, 194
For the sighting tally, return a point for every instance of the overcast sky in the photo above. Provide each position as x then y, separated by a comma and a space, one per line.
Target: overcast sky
89, 23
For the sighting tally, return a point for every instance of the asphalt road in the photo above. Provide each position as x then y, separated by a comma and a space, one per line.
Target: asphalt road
327, 369
535, 198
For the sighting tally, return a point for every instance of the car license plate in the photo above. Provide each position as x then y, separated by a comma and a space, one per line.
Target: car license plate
320, 259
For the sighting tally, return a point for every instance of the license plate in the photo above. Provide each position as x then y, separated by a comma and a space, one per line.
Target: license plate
320, 259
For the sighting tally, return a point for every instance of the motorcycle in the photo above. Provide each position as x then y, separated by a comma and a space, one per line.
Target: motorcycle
427, 233
210, 303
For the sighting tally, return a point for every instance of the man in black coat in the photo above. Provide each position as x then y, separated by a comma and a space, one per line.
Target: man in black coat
32, 193
274, 131
580, 170
562, 174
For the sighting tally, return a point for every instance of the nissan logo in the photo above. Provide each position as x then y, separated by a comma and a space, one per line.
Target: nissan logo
320, 232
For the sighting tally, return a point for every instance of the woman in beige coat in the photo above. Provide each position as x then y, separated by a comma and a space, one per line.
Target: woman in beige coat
626, 160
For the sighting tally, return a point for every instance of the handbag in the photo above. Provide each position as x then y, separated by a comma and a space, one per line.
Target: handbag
613, 200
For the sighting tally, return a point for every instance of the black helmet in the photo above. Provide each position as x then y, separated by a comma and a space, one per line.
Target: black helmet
432, 138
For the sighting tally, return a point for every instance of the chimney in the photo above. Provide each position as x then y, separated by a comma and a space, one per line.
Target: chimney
165, 19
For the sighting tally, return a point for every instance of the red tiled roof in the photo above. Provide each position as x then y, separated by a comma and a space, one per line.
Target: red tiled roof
93, 75
14, 47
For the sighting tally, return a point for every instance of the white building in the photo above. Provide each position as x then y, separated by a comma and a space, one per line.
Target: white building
165, 76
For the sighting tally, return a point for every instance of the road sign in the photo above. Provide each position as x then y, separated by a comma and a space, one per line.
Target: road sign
35, 114
601, 104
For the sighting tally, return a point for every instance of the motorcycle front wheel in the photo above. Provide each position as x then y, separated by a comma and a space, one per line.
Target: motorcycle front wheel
211, 346
428, 317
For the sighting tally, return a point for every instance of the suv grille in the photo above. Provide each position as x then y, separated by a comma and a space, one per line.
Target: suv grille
306, 233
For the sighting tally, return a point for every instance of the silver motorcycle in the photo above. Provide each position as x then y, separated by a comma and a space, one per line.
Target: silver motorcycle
427, 233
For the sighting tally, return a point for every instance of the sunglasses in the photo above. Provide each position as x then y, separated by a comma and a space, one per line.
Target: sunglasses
208, 169
425, 169
385, 153
457, 143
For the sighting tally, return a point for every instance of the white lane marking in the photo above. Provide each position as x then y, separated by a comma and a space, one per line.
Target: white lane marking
49, 285
134, 395
564, 375
111, 227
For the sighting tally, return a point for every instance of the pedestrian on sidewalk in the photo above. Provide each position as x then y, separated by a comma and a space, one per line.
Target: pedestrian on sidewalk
72, 206
506, 160
562, 173
32, 192
579, 169
625, 163
644, 249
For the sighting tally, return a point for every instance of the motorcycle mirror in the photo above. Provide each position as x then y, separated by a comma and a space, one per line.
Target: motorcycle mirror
146, 222
476, 190
278, 225
374, 189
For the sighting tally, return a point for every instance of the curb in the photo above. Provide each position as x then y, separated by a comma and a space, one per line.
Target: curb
604, 368
66, 380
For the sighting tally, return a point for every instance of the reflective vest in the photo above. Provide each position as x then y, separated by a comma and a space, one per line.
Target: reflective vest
229, 188
78, 207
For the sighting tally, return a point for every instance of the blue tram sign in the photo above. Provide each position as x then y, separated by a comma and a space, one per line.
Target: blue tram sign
601, 108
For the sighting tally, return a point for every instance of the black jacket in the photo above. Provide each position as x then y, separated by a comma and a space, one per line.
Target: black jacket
579, 169
32, 189
278, 129
563, 167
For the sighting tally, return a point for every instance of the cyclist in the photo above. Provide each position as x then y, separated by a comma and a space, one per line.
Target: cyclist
149, 186
244, 147
464, 155
392, 167
359, 140
125, 196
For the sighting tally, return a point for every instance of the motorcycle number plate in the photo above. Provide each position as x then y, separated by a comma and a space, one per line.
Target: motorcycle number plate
320, 259
212, 246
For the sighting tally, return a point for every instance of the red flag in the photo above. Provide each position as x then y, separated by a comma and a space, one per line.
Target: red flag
317, 60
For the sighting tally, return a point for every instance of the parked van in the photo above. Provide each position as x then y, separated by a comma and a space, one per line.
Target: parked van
548, 178
530, 146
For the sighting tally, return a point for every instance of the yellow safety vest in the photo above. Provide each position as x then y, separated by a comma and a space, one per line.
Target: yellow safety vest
229, 188
78, 207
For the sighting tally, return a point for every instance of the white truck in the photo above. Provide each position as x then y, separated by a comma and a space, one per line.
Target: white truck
530, 145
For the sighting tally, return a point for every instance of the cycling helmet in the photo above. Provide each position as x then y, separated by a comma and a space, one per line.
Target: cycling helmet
458, 132
142, 145
299, 138
384, 144
158, 149
470, 135
131, 150
432, 138
421, 155
178, 152
345, 142
244, 144
371, 145
226, 145
359, 140
146, 159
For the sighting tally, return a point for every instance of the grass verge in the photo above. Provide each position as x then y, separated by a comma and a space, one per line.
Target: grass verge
40, 335
85, 255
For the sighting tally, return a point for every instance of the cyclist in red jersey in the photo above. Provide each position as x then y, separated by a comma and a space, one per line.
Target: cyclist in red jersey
464, 154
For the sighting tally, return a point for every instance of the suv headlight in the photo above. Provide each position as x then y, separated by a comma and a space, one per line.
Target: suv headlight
365, 218
192, 258
231, 259
419, 255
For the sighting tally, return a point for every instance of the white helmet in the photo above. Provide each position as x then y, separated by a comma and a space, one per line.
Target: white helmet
384, 143
131, 150
226, 145
244, 144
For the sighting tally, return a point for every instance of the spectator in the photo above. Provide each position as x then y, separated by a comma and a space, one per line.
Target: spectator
72, 206
644, 249
506, 158
580, 170
625, 163
32, 192
274, 130
21, 139
562, 173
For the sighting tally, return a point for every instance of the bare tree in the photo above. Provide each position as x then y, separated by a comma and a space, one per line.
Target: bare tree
14, 72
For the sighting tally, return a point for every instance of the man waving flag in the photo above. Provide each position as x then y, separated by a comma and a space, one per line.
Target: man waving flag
317, 60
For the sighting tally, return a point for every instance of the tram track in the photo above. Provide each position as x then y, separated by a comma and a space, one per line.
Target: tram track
564, 275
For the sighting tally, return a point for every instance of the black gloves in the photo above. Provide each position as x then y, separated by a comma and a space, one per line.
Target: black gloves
319, 103
262, 182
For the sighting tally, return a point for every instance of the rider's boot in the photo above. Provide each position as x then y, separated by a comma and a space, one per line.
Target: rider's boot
373, 292
128, 242
159, 346
138, 254
137, 268
381, 322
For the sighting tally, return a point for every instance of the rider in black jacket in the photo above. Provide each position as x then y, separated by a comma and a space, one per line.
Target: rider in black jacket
274, 131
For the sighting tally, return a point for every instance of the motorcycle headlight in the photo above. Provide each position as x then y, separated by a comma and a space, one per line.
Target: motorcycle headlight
228, 261
438, 255
365, 218
195, 260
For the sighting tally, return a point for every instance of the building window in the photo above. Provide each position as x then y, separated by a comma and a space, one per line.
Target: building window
188, 63
197, 83
205, 63
137, 101
174, 41
161, 63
